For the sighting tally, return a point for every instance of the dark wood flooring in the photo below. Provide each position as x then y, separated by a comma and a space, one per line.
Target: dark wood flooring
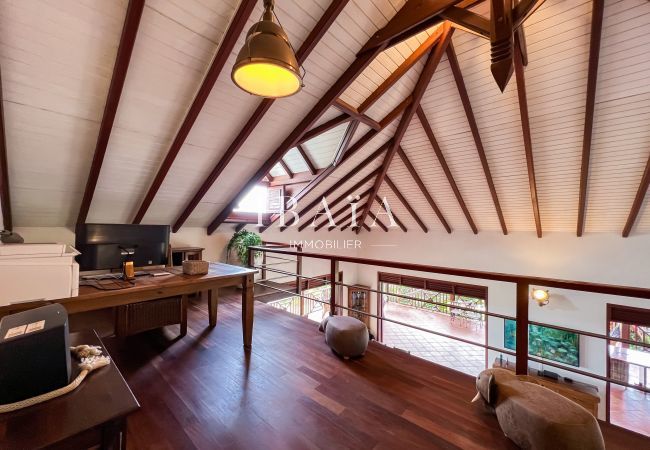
290, 392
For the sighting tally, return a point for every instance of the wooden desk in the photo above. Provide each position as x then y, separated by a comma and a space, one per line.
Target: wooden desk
153, 288
93, 414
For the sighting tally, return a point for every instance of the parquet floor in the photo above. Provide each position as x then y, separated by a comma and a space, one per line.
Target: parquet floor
290, 392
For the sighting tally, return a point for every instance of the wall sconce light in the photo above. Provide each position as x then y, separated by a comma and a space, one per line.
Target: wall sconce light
541, 296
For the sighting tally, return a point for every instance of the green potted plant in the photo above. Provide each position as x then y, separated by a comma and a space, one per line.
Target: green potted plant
239, 243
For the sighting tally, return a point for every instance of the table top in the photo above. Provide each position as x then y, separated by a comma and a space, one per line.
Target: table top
177, 277
630, 356
103, 396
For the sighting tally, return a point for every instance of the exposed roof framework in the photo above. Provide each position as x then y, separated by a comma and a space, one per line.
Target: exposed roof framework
467, 162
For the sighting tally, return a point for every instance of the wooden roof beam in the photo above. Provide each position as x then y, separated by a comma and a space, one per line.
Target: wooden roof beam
343, 220
406, 204
501, 42
423, 188
240, 227
401, 70
468, 21
357, 146
345, 142
286, 168
528, 143
377, 221
225, 49
5, 198
305, 157
355, 114
340, 211
341, 197
523, 9
324, 127
445, 168
397, 220
120, 68
467, 106
638, 200
414, 17
323, 25
597, 10
418, 92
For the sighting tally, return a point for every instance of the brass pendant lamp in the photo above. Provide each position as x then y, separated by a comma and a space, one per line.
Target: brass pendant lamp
266, 64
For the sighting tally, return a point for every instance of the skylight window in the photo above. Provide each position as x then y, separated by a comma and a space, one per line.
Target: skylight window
255, 201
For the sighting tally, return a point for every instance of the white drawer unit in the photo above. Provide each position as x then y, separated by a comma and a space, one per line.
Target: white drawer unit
31, 272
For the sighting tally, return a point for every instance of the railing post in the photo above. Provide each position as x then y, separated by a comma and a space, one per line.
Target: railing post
263, 273
299, 281
521, 367
334, 270
251, 257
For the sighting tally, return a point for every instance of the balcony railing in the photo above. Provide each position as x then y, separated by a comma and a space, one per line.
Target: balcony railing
523, 285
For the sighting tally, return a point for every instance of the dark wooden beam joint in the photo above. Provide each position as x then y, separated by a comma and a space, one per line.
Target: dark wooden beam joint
120, 68
501, 41
356, 114
468, 21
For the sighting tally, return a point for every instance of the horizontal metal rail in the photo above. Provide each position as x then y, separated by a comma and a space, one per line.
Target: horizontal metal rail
292, 274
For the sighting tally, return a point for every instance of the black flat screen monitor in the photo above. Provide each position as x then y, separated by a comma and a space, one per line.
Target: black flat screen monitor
104, 246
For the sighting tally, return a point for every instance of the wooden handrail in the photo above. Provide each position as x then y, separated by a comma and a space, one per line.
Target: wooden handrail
625, 291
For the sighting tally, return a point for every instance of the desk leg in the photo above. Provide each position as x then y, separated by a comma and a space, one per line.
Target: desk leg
184, 305
114, 435
247, 310
213, 303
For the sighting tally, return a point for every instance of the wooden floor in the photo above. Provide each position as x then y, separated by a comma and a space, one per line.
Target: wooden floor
290, 391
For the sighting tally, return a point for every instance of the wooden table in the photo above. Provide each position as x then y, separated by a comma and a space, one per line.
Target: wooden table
154, 288
93, 414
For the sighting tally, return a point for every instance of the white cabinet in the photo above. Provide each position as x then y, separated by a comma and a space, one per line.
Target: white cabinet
37, 272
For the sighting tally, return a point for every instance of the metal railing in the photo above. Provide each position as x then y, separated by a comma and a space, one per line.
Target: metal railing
523, 287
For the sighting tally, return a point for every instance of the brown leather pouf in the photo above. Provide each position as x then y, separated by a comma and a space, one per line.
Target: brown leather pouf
347, 336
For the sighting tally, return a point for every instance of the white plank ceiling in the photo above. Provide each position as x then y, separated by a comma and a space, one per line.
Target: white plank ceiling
57, 60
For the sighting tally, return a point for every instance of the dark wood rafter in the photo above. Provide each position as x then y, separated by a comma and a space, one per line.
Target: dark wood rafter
445, 168
523, 9
359, 64
317, 201
413, 17
5, 198
240, 227
501, 41
346, 219
423, 188
344, 208
356, 115
468, 21
377, 221
467, 106
356, 147
353, 189
406, 204
305, 157
401, 70
346, 140
286, 168
418, 92
528, 143
399, 223
323, 25
597, 10
638, 200
270, 177
324, 128
298, 178
219, 61
120, 69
